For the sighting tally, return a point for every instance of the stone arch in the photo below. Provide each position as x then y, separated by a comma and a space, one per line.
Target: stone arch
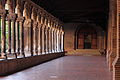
100, 34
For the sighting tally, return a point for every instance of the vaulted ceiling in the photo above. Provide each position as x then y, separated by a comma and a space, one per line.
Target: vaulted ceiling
77, 10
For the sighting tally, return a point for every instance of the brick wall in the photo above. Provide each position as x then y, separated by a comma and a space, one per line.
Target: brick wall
14, 65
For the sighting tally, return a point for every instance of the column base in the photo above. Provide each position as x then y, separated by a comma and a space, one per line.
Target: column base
111, 59
116, 69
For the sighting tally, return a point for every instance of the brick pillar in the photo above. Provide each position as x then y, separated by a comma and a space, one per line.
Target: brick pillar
111, 55
116, 63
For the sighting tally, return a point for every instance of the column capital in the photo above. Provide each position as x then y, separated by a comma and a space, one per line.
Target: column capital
21, 19
39, 25
2, 11
11, 16
28, 22
35, 24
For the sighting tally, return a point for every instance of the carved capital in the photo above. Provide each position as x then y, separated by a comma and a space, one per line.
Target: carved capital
28, 23
35, 24
20, 19
39, 25
2, 11
11, 16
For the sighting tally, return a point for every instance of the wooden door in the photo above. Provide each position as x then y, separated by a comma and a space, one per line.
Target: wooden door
80, 41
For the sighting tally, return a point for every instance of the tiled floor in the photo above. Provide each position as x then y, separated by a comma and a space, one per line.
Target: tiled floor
66, 68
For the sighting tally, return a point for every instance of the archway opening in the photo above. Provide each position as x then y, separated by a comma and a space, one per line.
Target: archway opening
87, 38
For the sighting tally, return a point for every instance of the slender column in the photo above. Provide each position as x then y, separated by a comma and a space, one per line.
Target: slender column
46, 40
50, 40
43, 46
55, 40
33, 33
13, 34
3, 36
41, 39
9, 34
17, 37
38, 35
36, 39
62, 37
21, 20
59, 41
29, 23
31, 37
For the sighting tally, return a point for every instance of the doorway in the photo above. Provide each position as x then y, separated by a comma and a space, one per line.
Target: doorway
87, 38
87, 41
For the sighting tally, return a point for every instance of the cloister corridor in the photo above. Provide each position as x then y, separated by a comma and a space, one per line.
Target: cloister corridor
59, 39
66, 68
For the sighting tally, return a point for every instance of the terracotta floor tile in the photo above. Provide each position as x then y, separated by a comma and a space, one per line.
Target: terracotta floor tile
66, 68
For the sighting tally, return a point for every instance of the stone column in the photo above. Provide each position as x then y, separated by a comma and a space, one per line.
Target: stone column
41, 39
38, 35
62, 41
13, 20
58, 40
35, 25
9, 34
34, 39
31, 36
17, 37
53, 41
50, 40
21, 21
3, 36
43, 51
29, 23
46, 40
